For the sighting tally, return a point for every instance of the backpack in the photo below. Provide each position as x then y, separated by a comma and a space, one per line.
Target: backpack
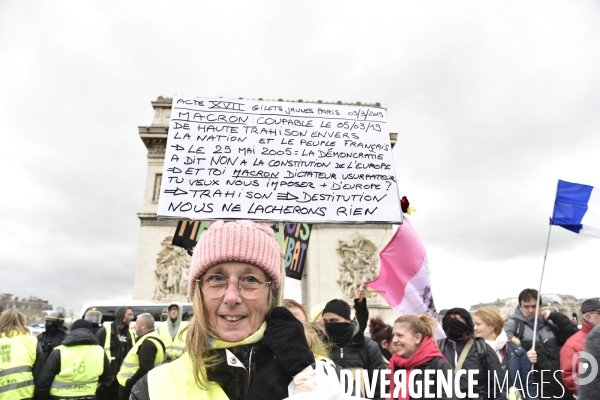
479, 344
520, 328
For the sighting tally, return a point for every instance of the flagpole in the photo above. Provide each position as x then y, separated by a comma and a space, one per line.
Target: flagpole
374, 256
282, 267
539, 296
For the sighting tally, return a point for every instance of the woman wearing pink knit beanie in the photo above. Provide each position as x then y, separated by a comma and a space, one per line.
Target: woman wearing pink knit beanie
238, 345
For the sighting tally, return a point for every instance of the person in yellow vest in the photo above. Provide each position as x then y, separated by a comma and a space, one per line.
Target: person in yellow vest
171, 333
74, 369
117, 339
238, 345
20, 357
148, 353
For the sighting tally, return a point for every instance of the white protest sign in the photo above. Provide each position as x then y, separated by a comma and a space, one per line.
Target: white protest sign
278, 161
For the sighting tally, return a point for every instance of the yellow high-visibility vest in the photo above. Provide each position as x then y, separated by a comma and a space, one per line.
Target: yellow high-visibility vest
131, 363
80, 368
107, 341
173, 347
176, 381
17, 356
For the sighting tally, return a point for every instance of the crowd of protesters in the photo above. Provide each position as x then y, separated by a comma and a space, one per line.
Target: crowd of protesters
240, 345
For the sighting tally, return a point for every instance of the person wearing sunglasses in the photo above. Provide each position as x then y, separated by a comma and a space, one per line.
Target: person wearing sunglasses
238, 344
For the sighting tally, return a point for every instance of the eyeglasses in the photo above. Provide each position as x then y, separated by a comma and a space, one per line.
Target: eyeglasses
214, 286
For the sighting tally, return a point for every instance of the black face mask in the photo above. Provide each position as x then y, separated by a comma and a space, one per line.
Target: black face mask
51, 326
340, 333
454, 328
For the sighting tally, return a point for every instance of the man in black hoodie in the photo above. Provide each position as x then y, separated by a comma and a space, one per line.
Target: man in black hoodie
117, 339
81, 349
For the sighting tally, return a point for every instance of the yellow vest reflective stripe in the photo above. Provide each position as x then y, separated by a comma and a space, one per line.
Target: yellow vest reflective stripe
17, 356
80, 367
173, 347
131, 363
176, 381
107, 341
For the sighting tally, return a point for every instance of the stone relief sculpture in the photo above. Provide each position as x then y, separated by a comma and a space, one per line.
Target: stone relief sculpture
172, 270
357, 262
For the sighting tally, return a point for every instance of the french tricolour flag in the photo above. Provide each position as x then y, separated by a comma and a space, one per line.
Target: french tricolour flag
577, 208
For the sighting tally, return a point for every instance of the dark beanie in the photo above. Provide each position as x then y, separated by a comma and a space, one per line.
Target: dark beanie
590, 305
339, 307
81, 323
463, 313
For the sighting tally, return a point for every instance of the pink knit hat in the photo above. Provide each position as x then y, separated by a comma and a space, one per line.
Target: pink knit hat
243, 241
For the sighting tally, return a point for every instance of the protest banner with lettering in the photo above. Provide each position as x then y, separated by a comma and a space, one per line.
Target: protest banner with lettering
278, 161
295, 240
187, 234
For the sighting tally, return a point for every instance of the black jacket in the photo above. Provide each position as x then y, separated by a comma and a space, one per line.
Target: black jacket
452, 351
361, 352
49, 342
267, 379
52, 366
386, 355
116, 339
551, 336
440, 366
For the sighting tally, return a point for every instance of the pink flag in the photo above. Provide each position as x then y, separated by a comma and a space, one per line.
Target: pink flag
403, 280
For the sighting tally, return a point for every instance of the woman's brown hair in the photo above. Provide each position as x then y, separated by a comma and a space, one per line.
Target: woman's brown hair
422, 324
379, 330
12, 320
492, 318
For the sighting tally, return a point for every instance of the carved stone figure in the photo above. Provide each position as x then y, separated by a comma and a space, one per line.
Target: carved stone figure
358, 263
183, 282
172, 269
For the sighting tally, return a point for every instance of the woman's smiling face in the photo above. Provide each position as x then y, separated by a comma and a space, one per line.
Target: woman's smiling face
405, 342
232, 317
